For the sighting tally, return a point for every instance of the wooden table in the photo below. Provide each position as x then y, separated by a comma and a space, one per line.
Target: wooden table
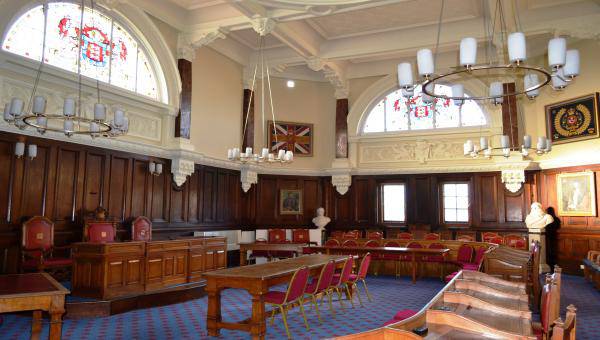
37, 292
250, 246
414, 252
256, 279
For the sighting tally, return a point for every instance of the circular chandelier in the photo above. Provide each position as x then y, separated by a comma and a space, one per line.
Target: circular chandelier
529, 79
248, 156
72, 121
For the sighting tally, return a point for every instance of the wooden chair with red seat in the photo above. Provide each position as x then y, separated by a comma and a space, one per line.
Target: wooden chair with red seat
141, 229
432, 236
566, 330
464, 255
340, 281
465, 238
477, 261
352, 234
392, 257
337, 234
405, 236
100, 231
286, 300
320, 287
276, 235
515, 241
332, 243
549, 299
374, 235
300, 236
418, 259
350, 243
438, 259
37, 246
361, 275
375, 258
487, 236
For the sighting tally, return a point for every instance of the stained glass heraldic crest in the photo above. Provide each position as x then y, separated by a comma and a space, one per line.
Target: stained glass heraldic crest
397, 113
108, 52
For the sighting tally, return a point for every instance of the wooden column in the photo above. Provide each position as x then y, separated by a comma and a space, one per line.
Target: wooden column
184, 119
249, 135
341, 128
510, 126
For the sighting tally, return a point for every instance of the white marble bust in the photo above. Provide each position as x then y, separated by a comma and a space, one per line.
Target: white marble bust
321, 220
537, 218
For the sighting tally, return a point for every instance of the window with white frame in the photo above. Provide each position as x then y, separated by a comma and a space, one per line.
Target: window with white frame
395, 113
104, 50
456, 202
393, 202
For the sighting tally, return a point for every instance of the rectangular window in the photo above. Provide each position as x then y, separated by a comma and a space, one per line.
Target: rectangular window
456, 202
393, 198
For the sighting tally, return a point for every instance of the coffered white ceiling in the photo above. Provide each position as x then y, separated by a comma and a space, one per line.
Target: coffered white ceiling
340, 39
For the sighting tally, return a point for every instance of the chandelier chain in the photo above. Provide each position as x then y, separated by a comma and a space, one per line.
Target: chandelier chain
439, 32
39, 71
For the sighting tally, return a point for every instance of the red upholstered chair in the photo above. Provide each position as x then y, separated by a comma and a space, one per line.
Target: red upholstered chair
350, 243
496, 240
300, 236
332, 243
515, 241
476, 264
374, 235
488, 236
277, 235
543, 327
37, 246
465, 255
321, 285
337, 234
141, 229
341, 280
392, 257
352, 234
405, 236
285, 300
432, 236
100, 232
465, 238
361, 275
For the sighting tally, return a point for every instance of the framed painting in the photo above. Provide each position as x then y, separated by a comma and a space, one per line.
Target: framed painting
576, 193
290, 202
295, 137
573, 120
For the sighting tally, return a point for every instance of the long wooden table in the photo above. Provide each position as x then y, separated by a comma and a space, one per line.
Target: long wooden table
256, 279
37, 292
414, 252
250, 246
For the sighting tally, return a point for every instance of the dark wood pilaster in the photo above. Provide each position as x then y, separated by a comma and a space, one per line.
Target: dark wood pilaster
249, 135
510, 114
184, 119
341, 128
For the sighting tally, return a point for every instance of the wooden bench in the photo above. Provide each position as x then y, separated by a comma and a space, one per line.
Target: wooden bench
591, 267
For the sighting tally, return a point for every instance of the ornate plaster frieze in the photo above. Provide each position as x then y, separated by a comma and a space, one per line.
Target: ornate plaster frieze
263, 25
315, 63
187, 43
248, 176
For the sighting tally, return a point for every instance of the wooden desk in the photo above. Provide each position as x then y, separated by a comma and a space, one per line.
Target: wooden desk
414, 252
109, 270
249, 246
256, 279
38, 292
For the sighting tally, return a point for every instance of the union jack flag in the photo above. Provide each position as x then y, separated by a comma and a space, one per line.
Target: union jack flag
295, 137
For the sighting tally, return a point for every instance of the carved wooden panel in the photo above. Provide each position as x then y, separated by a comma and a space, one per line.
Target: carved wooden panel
117, 187
423, 201
362, 198
7, 159
159, 190
139, 192
93, 182
66, 185
35, 179
193, 198
488, 198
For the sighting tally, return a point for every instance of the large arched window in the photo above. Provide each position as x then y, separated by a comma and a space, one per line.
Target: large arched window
108, 52
396, 113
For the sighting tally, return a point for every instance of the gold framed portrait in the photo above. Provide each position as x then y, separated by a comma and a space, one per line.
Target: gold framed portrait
576, 193
290, 202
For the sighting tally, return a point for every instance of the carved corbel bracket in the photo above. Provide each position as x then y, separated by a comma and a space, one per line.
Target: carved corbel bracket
341, 182
187, 43
181, 168
248, 177
263, 25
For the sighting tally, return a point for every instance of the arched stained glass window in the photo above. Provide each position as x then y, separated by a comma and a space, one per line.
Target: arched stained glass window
396, 113
108, 52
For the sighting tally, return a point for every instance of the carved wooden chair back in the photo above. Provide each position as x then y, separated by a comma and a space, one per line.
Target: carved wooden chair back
100, 231
141, 229
300, 235
332, 243
488, 236
432, 236
37, 234
465, 238
405, 236
276, 235
374, 235
352, 234
516, 241
350, 243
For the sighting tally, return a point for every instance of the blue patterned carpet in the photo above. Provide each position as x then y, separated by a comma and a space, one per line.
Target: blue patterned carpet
188, 320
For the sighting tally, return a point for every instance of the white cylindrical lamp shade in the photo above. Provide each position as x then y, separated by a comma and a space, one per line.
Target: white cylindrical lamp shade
19, 149
505, 141
530, 80
527, 141
159, 168
458, 90
557, 52
548, 145
32, 151
7, 116
468, 51
469, 147
281, 154
152, 167
16, 107
99, 112
94, 127
405, 75
289, 156
69, 107
483, 143
425, 63
68, 126
558, 80
248, 151
265, 153
39, 105
517, 51
119, 115
496, 91
541, 144
571, 68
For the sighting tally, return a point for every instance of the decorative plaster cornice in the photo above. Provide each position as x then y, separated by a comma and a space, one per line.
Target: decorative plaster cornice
315, 63
263, 25
187, 43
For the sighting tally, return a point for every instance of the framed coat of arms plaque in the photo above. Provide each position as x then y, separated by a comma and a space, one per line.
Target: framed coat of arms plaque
573, 120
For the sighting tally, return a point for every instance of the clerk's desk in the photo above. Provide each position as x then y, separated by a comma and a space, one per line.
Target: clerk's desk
109, 270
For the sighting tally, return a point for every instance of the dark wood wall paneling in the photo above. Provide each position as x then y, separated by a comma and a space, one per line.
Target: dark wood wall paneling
66, 182
572, 237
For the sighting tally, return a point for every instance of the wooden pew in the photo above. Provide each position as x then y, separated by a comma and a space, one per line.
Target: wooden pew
565, 330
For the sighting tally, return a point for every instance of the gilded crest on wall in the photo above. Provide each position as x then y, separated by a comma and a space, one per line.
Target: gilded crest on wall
573, 120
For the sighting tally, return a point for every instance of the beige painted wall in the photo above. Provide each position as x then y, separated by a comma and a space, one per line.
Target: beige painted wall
358, 86
216, 103
586, 83
308, 102
169, 34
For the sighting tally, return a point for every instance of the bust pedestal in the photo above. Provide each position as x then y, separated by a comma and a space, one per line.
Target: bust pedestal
536, 222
